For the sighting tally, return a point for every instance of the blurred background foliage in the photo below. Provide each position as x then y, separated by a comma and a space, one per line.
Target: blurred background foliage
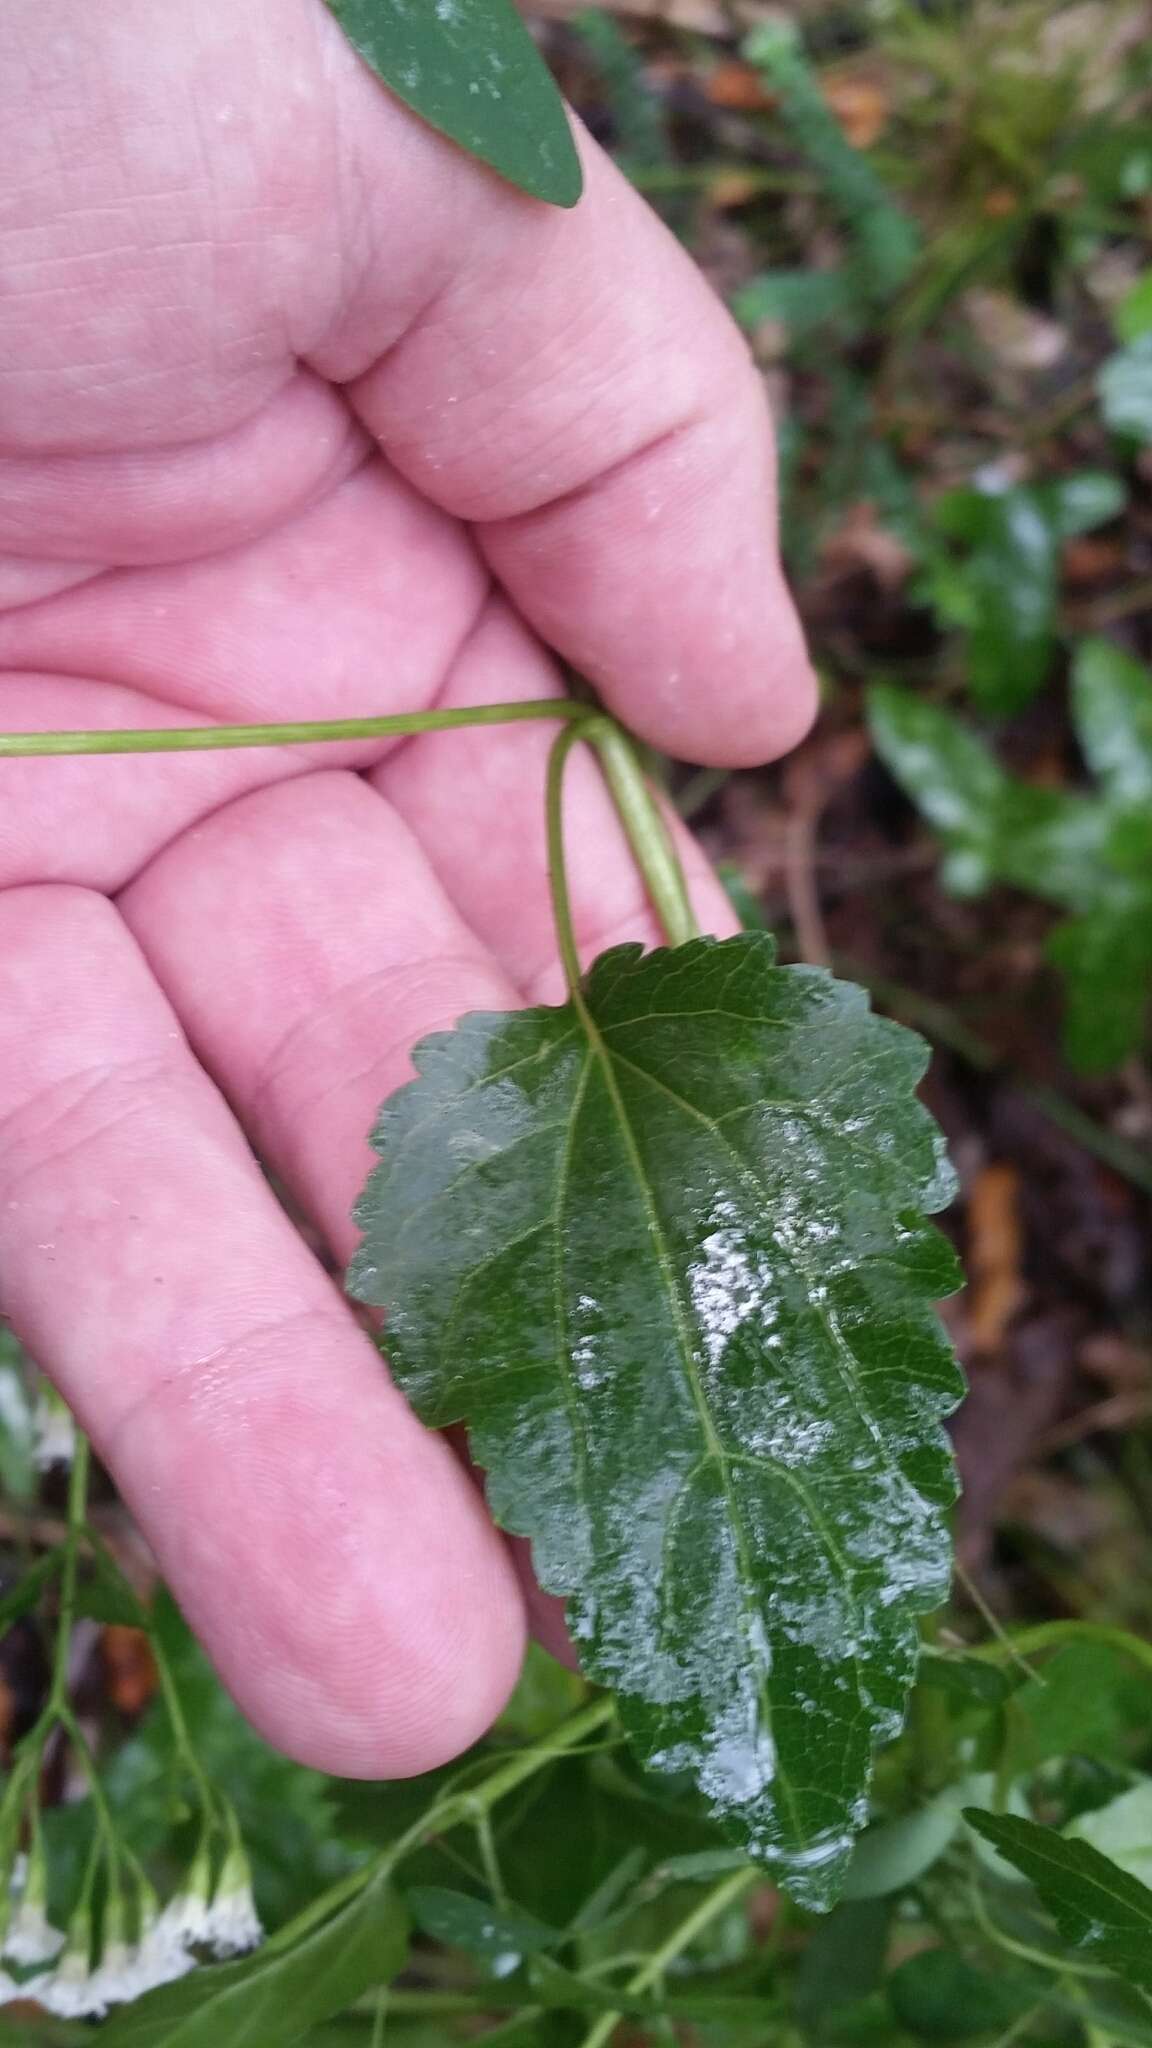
934, 222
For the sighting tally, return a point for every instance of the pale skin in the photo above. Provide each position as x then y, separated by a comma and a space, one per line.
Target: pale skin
303, 415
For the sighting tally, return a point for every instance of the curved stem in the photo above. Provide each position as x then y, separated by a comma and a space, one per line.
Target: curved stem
452, 1809
1049, 1635
208, 738
648, 835
653, 848
562, 746
694, 1923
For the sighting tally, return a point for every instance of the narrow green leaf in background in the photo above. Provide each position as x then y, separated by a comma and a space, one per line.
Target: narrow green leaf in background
472, 70
885, 239
664, 1248
1105, 1914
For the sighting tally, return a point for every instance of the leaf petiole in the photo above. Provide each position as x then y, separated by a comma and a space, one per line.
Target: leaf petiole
648, 836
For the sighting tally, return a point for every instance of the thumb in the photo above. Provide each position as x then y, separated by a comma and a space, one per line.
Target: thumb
570, 385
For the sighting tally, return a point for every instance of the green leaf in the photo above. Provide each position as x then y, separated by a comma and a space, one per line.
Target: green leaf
1091, 854
1122, 1830
940, 1996
1112, 705
1133, 315
664, 1249
892, 1856
1004, 589
800, 300
495, 1934
277, 1994
1101, 1911
21, 1598
1078, 504
843, 1960
1075, 1707
885, 240
967, 1679
472, 70
1125, 387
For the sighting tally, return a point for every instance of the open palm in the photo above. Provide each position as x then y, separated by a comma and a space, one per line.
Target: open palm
302, 414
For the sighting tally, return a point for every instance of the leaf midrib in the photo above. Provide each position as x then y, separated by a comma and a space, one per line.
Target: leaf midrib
716, 1448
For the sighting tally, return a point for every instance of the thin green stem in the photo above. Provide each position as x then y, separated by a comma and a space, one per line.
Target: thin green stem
1049, 1635
1042, 1958
648, 836
77, 1519
169, 1691
562, 746
451, 1810
208, 738
1010, 1650
493, 1875
653, 847
703, 1913
1019, 2027
66, 1720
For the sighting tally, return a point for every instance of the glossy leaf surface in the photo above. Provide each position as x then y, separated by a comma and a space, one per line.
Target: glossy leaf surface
472, 70
1101, 1911
665, 1251
1091, 853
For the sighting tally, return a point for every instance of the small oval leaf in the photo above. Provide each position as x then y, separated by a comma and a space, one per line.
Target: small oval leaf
471, 69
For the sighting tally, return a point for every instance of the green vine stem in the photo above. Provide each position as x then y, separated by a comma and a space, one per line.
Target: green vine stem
648, 836
451, 1810
653, 847
195, 739
706, 1910
77, 1521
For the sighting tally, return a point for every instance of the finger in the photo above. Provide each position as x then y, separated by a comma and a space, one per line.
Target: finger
316, 899
576, 390
566, 380
320, 904
332, 1555
174, 503
357, 607
476, 803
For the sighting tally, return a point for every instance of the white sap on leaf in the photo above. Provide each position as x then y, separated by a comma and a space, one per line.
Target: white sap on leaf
587, 1350
729, 1283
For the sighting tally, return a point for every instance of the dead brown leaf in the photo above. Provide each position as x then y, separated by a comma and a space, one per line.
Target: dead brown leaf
739, 87
129, 1668
995, 1248
861, 106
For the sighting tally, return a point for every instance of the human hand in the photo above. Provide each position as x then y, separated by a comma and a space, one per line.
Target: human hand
302, 414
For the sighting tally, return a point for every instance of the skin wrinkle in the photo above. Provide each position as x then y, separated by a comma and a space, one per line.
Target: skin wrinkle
279, 1071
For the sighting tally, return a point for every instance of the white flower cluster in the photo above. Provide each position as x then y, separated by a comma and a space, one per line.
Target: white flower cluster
220, 1919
